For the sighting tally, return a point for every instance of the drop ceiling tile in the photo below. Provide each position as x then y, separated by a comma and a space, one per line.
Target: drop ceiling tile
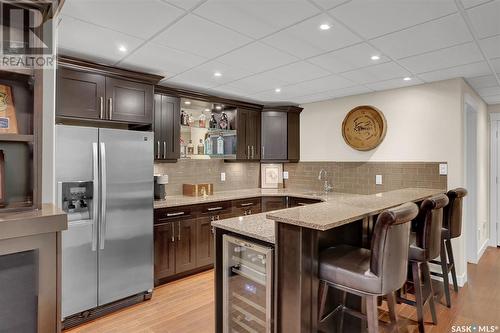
305, 39
350, 91
184, 4
328, 4
324, 96
201, 37
348, 58
327, 83
492, 99
72, 42
381, 72
491, 46
487, 92
161, 60
466, 71
441, 33
297, 72
203, 75
256, 57
256, 18
473, 3
484, 81
485, 19
393, 84
376, 18
449, 57
496, 64
139, 18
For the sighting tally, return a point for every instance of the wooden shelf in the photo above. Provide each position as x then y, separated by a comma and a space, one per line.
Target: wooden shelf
16, 137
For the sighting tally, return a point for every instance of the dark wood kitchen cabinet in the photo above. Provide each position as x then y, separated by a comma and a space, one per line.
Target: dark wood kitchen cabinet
281, 134
129, 101
166, 127
248, 141
164, 250
273, 203
185, 245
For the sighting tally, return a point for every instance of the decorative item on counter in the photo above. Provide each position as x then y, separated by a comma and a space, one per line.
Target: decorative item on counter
190, 119
2, 179
190, 148
271, 175
202, 121
201, 148
184, 118
364, 128
220, 145
224, 122
208, 145
8, 121
213, 122
195, 190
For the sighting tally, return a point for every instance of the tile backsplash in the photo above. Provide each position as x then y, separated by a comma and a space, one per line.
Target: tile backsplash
238, 175
359, 177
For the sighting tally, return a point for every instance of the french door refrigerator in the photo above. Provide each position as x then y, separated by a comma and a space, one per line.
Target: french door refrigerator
105, 177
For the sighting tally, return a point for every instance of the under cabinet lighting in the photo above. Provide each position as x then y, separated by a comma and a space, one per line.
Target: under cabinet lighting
207, 110
375, 57
187, 102
324, 26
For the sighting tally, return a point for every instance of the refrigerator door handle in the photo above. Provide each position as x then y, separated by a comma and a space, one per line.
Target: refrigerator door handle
102, 237
95, 201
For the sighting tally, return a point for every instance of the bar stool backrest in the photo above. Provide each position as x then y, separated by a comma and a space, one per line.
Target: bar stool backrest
389, 247
453, 212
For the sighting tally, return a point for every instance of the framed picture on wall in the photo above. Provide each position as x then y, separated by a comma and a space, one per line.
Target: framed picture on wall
271, 175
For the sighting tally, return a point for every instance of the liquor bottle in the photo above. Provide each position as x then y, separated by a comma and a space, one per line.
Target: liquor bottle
213, 122
184, 118
224, 122
2, 179
190, 120
202, 121
190, 148
220, 145
201, 148
208, 146
183, 148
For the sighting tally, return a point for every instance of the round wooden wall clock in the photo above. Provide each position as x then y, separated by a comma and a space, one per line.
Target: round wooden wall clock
364, 128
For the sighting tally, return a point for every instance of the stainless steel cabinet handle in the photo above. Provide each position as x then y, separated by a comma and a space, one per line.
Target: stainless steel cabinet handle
175, 214
103, 196
213, 230
253, 152
211, 209
164, 150
110, 108
173, 232
158, 150
95, 201
179, 231
101, 105
262, 152
246, 204
218, 217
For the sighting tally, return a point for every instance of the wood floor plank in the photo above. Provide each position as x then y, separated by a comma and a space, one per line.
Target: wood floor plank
187, 306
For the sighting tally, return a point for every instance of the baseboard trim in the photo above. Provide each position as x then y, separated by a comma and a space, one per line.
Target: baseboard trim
461, 279
482, 249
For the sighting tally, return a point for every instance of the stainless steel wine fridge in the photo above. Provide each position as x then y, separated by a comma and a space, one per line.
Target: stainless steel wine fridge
247, 286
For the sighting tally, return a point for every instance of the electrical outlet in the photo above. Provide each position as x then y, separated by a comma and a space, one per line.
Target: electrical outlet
378, 179
285, 174
222, 176
443, 169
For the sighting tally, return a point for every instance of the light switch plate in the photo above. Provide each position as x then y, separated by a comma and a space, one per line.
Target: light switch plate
378, 179
222, 176
443, 169
285, 174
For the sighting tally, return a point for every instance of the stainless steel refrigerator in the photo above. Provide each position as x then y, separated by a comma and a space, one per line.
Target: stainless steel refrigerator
105, 182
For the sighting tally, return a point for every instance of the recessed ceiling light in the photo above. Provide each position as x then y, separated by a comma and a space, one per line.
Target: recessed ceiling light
122, 48
217, 74
207, 109
277, 90
187, 102
218, 107
324, 26
375, 57
407, 78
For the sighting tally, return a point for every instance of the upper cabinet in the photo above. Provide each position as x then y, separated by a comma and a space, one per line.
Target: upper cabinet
248, 134
88, 91
281, 134
166, 127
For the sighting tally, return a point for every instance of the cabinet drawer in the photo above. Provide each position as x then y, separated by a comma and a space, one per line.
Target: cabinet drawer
215, 208
295, 202
246, 203
164, 215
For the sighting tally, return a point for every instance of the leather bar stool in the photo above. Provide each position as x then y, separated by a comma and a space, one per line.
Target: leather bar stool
424, 246
452, 228
370, 273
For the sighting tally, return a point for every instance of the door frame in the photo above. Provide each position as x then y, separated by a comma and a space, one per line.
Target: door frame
494, 175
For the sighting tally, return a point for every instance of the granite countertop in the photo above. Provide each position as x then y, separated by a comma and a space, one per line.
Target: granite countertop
47, 219
255, 226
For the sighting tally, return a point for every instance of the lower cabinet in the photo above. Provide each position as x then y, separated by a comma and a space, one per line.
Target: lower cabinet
185, 246
164, 250
273, 203
205, 241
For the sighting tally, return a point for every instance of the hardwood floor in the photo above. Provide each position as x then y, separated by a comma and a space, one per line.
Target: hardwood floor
187, 306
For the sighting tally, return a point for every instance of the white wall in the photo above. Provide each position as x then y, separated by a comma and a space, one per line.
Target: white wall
424, 123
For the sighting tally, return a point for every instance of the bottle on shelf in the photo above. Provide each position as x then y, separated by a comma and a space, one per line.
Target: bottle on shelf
190, 120
220, 145
224, 122
184, 118
208, 146
213, 122
190, 148
202, 121
201, 148
183, 148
